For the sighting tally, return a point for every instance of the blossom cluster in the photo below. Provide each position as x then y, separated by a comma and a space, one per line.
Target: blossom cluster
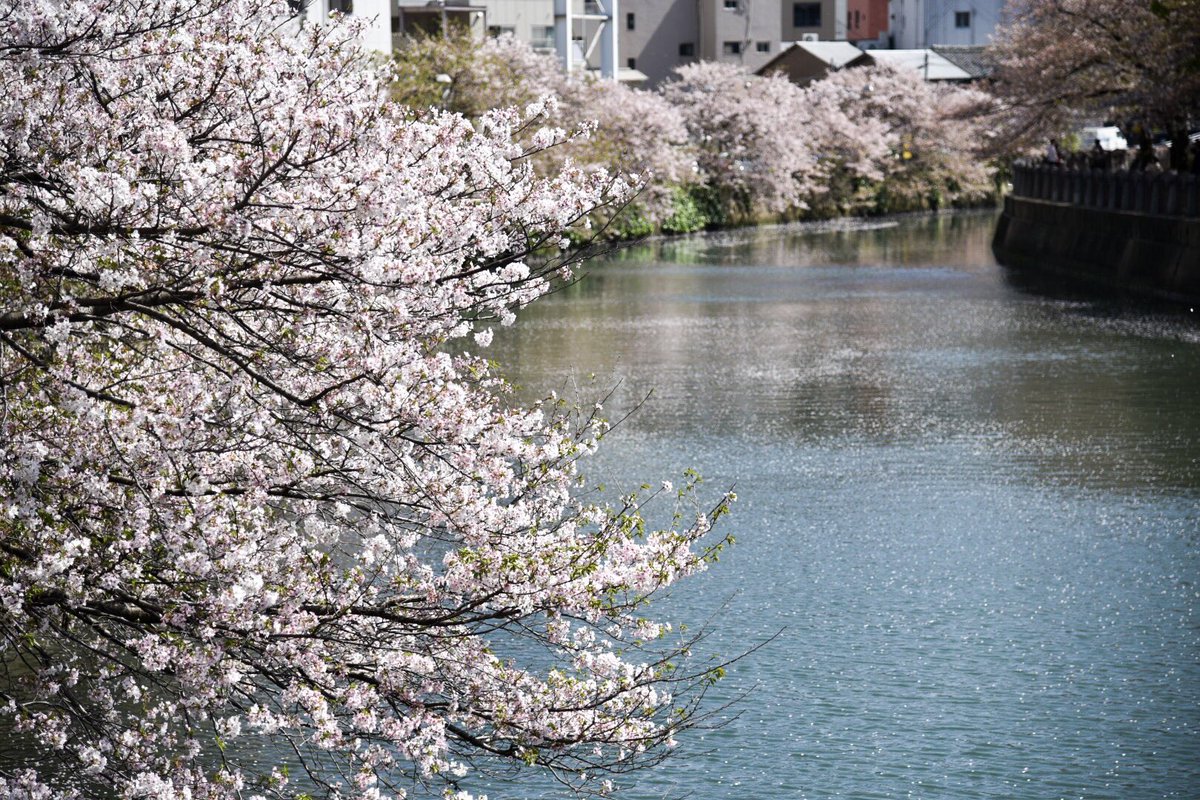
255, 489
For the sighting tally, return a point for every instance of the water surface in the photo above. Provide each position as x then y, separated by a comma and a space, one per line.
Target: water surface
970, 510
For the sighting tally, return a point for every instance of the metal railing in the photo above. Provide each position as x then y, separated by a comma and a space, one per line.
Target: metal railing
1165, 194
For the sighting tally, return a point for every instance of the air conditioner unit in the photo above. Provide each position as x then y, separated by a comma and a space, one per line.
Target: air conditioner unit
810, 37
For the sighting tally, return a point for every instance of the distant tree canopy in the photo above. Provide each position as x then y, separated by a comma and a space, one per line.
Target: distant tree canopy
717, 144
1060, 61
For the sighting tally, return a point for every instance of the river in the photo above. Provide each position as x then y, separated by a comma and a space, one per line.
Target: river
969, 509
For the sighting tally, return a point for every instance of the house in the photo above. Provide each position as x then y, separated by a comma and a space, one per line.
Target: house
931, 65
805, 62
531, 21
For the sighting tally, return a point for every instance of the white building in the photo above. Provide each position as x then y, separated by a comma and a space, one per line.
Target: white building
378, 35
583, 32
530, 21
915, 24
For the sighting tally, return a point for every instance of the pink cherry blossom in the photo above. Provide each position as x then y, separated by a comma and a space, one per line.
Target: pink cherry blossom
254, 482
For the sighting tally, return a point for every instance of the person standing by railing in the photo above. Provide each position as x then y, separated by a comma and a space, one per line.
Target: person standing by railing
1053, 155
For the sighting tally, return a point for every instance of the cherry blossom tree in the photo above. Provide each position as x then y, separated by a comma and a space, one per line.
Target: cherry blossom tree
633, 132
1059, 61
719, 144
862, 140
855, 147
639, 133
906, 143
472, 77
748, 133
268, 526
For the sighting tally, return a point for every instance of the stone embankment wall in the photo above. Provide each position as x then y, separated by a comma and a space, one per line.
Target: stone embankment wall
1125, 230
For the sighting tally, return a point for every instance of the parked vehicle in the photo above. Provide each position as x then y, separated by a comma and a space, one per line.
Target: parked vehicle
1110, 138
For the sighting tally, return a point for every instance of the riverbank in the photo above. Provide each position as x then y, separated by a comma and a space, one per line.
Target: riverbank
1140, 253
858, 219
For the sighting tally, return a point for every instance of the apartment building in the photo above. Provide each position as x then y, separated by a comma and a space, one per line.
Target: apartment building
656, 36
925, 23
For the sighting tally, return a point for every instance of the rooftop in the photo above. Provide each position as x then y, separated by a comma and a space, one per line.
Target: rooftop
934, 66
835, 54
972, 58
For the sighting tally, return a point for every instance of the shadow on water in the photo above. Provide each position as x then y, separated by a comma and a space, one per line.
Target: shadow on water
1102, 299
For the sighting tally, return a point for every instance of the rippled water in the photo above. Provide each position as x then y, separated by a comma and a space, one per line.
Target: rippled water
971, 509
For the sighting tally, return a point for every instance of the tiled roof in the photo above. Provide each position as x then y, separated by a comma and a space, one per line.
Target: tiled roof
972, 59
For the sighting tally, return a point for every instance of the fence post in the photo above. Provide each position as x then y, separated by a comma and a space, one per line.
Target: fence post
1172, 190
1172, 194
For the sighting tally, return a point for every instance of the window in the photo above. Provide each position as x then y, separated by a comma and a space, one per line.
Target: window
500, 30
631, 63
762, 47
962, 19
687, 49
542, 38
732, 48
806, 15
341, 6
731, 5
629, 21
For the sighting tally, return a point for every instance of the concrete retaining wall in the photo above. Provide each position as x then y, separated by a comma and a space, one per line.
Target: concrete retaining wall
1142, 253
